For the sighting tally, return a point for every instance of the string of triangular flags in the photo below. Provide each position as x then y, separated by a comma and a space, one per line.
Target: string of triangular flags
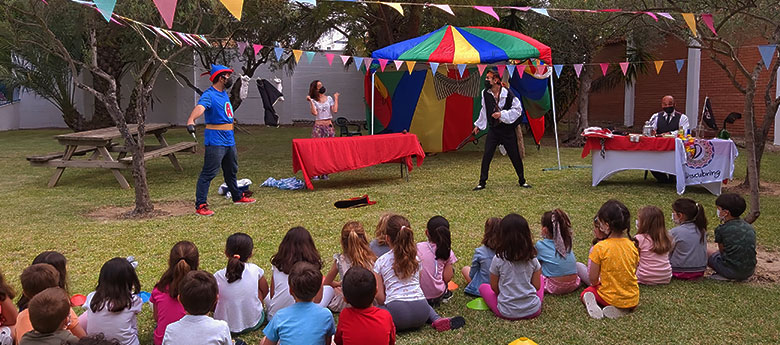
689, 18
167, 8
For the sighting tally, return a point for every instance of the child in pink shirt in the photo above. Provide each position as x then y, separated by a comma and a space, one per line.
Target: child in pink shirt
654, 245
436, 259
184, 258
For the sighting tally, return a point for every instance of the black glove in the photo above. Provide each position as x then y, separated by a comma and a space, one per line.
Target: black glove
191, 129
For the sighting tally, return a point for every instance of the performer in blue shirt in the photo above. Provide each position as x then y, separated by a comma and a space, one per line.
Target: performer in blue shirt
220, 144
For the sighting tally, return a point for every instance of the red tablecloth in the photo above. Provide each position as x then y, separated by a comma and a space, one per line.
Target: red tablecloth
319, 156
622, 143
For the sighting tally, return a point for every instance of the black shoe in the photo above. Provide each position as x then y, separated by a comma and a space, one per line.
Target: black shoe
525, 185
479, 187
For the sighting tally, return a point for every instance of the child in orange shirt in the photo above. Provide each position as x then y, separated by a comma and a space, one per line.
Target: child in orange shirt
614, 259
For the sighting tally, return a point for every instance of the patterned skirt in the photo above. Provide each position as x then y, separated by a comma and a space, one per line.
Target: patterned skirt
323, 131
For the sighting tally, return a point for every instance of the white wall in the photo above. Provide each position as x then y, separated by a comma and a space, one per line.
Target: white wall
173, 103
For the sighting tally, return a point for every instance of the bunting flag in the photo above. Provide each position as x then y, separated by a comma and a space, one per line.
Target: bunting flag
501, 69
358, 62
310, 56
691, 21
367, 62
604, 67
481, 69
445, 8
679, 63
278, 51
558, 69
542, 11
297, 53
511, 70
235, 7
106, 8
666, 15
395, 6
330, 58
241, 47
461, 68
578, 69
434, 67
410, 66
489, 10
624, 67
344, 59
398, 64
652, 15
707, 19
767, 53
167, 9
658, 65
257, 48
520, 71
524, 9
382, 64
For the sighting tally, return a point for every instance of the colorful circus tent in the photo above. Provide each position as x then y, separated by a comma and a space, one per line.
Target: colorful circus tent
440, 108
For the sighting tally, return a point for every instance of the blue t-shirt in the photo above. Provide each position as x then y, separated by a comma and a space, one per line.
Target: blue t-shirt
218, 111
480, 269
553, 265
301, 323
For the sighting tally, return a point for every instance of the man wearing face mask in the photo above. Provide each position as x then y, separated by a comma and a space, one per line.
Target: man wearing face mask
500, 110
668, 120
220, 145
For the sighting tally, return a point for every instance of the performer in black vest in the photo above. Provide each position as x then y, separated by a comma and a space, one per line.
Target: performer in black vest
668, 120
500, 112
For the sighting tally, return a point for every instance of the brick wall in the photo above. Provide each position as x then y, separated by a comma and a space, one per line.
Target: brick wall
606, 107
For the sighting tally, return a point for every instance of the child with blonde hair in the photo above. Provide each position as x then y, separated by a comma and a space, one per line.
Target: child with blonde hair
379, 244
654, 245
354, 252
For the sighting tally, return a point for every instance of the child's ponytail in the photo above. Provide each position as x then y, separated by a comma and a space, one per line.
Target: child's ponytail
354, 245
442, 238
238, 249
700, 220
693, 212
404, 248
184, 257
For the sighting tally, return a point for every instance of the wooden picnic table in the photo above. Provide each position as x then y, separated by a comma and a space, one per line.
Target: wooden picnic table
99, 143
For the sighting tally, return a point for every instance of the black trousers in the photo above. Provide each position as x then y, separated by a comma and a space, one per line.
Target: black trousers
504, 135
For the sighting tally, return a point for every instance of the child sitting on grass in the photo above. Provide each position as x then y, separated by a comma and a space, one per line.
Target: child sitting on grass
612, 271
554, 252
112, 309
363, 323
654, 244
34, 279
516, 289
479, 271
8, 312
303, 322
436, 259
198, 295
59, 262
49, 315
688, 257
379, 244
736, 255
184, 257
354, 252
242, 287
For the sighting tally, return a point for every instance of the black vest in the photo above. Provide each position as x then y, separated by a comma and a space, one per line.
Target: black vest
662, 126
491, 106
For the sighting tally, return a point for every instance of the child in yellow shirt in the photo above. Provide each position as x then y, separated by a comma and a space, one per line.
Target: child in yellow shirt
614, 290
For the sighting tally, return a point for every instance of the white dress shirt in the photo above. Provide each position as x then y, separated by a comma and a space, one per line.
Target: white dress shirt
507, 116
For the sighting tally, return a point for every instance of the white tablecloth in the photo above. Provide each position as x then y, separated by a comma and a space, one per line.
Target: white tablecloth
712, 163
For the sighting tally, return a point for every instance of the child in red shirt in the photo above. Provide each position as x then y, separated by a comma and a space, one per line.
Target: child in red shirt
362, 323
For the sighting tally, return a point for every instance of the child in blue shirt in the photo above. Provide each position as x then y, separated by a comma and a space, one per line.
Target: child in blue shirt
303, 322
554, 252
479, 271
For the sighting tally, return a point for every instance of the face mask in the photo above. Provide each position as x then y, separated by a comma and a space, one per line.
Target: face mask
669, 110
228, 83
674, 220
488, 84
322, 90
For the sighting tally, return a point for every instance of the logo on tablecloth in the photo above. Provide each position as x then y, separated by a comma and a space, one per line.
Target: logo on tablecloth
702, 155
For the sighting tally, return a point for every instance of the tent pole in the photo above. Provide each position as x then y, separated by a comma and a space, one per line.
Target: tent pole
373, 75
555, 119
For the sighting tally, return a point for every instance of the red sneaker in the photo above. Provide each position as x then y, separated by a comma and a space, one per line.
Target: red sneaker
203, 210
244, 200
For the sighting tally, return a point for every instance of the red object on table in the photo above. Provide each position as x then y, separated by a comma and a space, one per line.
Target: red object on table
319, 156
622, 143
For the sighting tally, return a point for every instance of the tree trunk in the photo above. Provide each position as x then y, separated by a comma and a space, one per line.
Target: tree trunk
109, 60
143, 202
583, 99
752, 177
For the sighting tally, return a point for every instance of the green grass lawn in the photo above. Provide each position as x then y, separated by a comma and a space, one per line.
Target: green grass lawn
36, 218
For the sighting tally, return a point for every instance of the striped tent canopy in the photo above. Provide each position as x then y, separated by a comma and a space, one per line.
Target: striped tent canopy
467, 45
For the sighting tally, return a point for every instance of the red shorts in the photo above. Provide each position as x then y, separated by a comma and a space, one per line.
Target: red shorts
594, 290
688, 275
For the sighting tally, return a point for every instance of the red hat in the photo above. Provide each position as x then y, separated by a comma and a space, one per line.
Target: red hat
216, 70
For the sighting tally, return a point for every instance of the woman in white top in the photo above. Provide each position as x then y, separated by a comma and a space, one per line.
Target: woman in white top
322, 108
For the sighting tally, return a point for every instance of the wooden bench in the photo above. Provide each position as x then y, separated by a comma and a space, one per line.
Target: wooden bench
55, 155
165, 151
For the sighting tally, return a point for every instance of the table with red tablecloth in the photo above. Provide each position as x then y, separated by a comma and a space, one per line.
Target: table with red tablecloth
320, 156
711, 161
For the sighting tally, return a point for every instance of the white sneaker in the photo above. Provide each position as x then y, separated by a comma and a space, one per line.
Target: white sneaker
502, 149
613, 312
592, 306
5, 336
